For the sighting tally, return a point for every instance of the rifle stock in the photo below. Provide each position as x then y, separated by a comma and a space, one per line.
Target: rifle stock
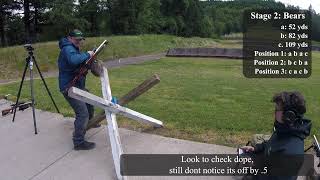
6, 111
21, 105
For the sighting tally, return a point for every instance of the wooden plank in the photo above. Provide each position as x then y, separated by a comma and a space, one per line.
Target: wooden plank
130, 96
112, 125
86, 97
114, 108
137, 116
96, 120
140, 89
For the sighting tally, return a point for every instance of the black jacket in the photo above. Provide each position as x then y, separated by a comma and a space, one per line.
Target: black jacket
285, 140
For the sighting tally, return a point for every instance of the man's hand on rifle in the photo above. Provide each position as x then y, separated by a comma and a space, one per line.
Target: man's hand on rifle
247, 149
91, 53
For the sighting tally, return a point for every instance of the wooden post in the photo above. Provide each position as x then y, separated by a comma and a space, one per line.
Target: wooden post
130, 96
143, 87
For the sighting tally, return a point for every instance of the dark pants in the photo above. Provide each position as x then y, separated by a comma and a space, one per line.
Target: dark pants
83, 112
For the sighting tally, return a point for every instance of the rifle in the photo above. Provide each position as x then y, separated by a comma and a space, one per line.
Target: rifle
315, 146
21, 105
86, 66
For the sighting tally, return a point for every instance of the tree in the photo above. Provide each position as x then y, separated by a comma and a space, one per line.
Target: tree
193, 19
43, 20
26, 19
90, 10
315, 24
61, 19
135, 17
33, 17
13, 32
174, 12
6, 12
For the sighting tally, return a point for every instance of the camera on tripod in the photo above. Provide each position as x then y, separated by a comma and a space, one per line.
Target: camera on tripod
28, 47
30, 60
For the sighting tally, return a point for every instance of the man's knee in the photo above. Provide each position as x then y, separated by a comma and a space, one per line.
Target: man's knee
84, 114
90, 109
80, 109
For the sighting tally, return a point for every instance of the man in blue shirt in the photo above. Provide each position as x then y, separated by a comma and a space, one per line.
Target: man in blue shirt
70, 59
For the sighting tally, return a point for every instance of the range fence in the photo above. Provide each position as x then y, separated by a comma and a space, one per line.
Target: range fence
232, 53
205, 52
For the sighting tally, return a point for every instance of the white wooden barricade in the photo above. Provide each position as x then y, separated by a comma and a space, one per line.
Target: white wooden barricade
111, 110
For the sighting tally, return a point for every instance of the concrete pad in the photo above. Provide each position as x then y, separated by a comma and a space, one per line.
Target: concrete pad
77, 164
84, 165
50, 155
24, 154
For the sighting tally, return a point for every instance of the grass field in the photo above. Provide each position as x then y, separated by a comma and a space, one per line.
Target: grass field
207, 100
315, 43
12, 58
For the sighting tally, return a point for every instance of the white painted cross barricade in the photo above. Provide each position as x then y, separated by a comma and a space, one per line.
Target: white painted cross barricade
111, 110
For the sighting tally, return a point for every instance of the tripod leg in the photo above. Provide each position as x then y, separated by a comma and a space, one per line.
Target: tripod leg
19, 92
45, 84
32, 98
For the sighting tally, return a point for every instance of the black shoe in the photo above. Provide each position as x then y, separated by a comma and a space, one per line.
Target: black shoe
85, 145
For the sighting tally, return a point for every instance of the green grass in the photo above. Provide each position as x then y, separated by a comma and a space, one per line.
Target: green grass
12, 59
207, 100
233, 36
315, 43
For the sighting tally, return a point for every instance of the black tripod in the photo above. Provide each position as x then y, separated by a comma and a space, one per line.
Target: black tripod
30, 60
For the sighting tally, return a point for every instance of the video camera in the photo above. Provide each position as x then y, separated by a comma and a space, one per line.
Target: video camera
28, 47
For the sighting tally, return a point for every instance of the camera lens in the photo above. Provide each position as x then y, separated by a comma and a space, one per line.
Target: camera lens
28, 47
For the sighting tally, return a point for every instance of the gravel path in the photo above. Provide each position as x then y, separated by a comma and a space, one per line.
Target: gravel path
110, 64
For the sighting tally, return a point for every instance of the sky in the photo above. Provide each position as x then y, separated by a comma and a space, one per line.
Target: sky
303, 4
